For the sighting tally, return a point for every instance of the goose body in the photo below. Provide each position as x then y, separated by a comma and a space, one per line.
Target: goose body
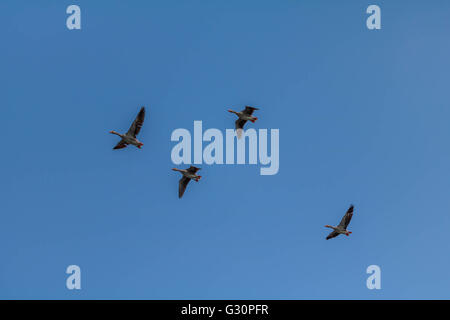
130, 136
188, 175
342, 227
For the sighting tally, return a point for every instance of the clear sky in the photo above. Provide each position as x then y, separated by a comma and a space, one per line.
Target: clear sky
363, 118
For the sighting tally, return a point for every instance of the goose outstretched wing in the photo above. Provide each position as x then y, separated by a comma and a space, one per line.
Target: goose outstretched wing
347, 217
249, 110
240, 124
193, 169
120, 145
182, 186
332, 235
137, 123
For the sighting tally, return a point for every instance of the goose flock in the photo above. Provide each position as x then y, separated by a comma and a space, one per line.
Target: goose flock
191, 173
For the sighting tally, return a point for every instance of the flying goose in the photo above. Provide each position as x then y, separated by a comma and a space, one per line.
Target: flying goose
244, 116
130, 136
342, 227
188, 174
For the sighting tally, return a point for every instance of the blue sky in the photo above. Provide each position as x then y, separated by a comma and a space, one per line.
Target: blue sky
363, 119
